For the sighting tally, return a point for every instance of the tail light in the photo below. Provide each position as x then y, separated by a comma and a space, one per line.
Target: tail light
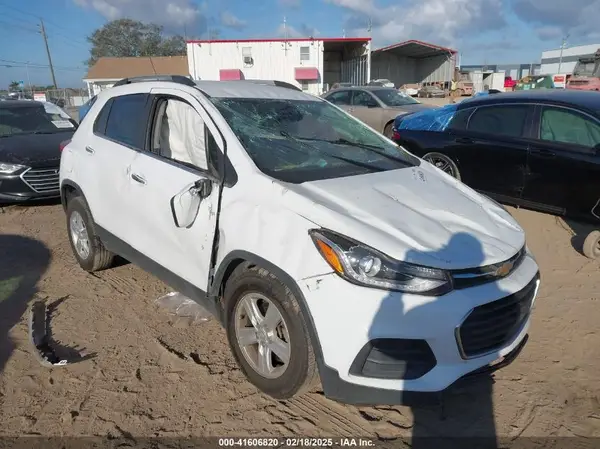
63, 144
395, 134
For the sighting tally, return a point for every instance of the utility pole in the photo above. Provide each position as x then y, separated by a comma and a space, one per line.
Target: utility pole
562, 47
43, 32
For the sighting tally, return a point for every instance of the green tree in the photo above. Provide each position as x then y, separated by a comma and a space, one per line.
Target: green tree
126, 37
14, 85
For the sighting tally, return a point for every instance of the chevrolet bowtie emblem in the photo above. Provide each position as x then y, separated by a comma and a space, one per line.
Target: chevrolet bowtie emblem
504, 269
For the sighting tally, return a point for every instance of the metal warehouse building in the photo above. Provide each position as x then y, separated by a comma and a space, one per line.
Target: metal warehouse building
312, 64
553, 63
414, 62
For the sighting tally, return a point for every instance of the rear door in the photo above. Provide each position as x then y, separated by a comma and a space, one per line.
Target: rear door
341, 98
492, 150
564, 165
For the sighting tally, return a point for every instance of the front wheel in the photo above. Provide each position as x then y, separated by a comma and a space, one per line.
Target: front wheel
268, 334
444, 163
388, 131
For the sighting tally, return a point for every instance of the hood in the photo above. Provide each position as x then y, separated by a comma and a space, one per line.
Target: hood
33, 150
416, 214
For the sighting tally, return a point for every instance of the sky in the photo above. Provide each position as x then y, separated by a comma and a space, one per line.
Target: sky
483, 31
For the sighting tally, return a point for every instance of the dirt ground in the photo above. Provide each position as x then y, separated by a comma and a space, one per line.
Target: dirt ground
151, 375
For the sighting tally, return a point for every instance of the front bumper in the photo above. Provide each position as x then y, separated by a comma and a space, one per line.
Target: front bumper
32, 184
347, 318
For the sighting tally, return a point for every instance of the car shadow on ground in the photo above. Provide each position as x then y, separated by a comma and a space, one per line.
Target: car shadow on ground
32, 203
23, 263
580, 230
465, 415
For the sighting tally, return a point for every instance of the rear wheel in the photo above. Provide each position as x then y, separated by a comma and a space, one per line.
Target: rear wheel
86, 245
444, 163
591, 245
268, 334
388, 130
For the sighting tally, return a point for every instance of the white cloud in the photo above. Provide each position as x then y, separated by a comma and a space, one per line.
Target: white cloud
292, 32
230, 21
170, 13
438, 21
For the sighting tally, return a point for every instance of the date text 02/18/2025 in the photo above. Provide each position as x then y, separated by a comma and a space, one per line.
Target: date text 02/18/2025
294, 442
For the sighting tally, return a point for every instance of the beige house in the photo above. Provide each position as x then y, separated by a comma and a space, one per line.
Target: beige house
107, 71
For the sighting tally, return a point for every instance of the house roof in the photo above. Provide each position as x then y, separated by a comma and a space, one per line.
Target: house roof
416, 49
295, 39
118, 68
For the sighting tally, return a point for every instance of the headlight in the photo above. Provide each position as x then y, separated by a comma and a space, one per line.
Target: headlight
7, 169
362, 265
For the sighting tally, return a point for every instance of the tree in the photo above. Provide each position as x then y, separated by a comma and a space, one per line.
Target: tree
126, 37
14, 85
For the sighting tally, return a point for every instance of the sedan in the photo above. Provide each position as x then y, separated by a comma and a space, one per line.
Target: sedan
431, 92
375, 106
31, 137
539, 148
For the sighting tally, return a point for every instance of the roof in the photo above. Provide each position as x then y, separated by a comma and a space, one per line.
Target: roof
19, 104
295, 39
362, 88
117, 68
416, 49
583, 99
250, 89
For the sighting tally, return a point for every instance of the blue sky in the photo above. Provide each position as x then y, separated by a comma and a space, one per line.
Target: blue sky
484, 31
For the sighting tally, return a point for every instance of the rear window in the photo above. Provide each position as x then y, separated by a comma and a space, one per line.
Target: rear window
32, 120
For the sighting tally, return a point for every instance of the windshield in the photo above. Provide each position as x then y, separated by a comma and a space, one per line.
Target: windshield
587, 68
392, 97
31, 120
306, 140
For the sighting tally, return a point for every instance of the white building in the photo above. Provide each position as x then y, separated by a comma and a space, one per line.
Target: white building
553, 63
312, 64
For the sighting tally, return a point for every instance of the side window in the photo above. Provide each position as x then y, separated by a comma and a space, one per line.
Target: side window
362, 98
100, 123
180, 134
460, 120
565, 126
501, 120
341, 98
122, 125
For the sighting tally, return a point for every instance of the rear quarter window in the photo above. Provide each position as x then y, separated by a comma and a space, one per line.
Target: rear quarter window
127, 120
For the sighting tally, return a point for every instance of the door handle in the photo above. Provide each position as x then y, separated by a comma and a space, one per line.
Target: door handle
463, 140
543, 153
90, 150
138, 178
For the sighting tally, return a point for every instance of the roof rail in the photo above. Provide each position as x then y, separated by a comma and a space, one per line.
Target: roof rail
179, 79
275, 83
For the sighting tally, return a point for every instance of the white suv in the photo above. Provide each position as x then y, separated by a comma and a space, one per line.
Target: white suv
324, 249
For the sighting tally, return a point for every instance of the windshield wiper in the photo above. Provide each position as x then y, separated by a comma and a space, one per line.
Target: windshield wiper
339, 158
365, 146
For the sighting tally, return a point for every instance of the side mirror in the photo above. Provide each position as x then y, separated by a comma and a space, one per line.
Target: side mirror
186, 204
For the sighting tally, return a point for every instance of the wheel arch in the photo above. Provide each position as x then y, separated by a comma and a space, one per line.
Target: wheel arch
237, 257
68, 190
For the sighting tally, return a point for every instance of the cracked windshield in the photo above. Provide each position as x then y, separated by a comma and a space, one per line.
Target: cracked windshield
305, 140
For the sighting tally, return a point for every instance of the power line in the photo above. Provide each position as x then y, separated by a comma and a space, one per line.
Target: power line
39, 65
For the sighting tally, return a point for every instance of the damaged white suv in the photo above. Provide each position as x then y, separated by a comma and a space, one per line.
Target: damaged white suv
325, 250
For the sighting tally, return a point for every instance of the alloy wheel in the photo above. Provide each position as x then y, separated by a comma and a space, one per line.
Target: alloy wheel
79, 235
441, 162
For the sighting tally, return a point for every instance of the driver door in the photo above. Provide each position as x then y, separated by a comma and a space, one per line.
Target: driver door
366, 108
176, 188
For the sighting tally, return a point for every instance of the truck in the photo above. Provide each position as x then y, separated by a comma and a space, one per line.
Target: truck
586, 75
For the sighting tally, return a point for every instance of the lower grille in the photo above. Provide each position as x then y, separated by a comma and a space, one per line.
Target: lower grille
491, 326
42, 180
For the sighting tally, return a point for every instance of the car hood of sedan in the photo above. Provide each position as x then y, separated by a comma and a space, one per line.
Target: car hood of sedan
415, 214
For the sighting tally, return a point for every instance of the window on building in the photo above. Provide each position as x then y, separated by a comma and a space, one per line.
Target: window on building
305, 85
304, 53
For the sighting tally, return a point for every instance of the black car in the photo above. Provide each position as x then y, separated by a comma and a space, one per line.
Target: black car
539, 149
30, 145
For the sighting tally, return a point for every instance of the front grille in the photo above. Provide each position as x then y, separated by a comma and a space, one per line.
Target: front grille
392, 358
42, 180
472, 277
491, 326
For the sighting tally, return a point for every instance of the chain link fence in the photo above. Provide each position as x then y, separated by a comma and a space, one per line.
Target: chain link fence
67, 98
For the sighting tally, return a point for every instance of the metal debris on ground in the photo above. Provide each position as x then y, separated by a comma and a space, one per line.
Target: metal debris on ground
183, 307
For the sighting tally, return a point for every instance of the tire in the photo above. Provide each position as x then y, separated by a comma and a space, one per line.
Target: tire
387, 131
97, 257
434, 157
300, 374
591, 245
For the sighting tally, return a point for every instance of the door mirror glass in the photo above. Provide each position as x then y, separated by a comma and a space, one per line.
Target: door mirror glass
186, 204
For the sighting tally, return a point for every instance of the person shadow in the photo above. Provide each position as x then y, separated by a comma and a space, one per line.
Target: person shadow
462, 415
23, 262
